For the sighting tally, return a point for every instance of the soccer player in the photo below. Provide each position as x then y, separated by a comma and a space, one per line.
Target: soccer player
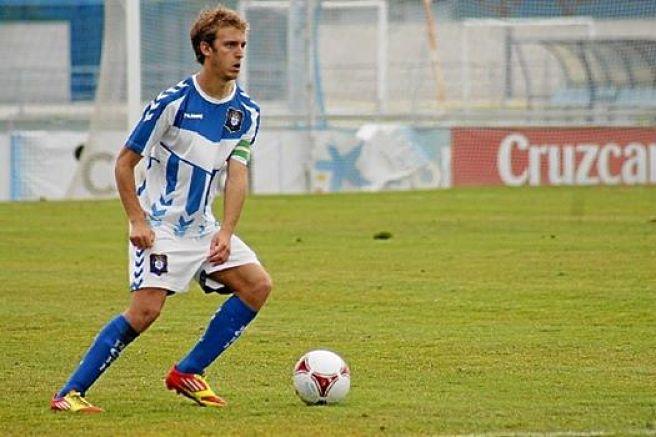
187, 135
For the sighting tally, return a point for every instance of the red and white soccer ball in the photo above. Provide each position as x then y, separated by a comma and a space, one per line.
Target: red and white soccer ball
321, 377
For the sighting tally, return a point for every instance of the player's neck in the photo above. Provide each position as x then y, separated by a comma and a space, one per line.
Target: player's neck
213, 86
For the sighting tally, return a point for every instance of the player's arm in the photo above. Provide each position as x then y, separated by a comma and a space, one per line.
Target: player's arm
141, 234
236, 188
155, 121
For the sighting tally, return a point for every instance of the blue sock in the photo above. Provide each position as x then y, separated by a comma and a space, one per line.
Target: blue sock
106, 347
224, 329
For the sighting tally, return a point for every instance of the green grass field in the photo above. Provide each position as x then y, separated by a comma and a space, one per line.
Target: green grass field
488, 311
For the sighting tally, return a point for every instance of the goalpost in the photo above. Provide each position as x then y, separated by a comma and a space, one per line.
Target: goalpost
133, 35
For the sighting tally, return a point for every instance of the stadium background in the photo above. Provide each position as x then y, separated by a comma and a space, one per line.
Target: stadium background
356, 95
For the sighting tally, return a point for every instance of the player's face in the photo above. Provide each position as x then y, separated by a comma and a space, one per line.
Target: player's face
227, 53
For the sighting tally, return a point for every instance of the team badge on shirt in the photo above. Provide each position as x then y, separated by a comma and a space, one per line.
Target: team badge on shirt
233, 119
158, 264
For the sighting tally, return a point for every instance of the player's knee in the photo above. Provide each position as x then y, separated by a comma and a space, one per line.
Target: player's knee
263, 287
257, 291
143, 316
150, 314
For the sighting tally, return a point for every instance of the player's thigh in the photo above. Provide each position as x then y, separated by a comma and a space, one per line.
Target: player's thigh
243, 278
251, 282
149, 299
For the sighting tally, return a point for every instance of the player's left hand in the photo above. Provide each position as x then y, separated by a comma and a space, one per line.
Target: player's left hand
220, 248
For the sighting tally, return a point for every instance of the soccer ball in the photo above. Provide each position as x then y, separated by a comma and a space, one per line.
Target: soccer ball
321, 377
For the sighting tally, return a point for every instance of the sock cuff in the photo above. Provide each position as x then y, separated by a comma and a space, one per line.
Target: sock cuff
126, 330
238, 307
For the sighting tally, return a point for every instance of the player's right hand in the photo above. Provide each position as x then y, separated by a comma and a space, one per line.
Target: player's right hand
142, 235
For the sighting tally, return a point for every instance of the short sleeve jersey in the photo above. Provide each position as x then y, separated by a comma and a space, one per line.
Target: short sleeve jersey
187, 137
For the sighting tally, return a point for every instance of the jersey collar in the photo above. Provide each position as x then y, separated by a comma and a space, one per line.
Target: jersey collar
210, 98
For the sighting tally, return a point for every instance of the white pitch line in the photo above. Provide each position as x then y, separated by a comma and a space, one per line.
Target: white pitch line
634, 432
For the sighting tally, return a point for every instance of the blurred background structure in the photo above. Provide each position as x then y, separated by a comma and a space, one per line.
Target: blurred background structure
355, 94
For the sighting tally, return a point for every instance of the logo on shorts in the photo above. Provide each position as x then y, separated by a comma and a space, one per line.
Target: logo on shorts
158, 264
233, 119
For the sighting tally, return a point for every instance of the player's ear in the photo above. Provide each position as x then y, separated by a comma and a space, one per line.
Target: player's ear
206, 48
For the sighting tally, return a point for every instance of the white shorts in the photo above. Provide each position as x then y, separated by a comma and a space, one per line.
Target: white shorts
172, 262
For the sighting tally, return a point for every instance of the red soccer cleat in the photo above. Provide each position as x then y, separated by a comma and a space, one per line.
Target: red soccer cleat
194, 387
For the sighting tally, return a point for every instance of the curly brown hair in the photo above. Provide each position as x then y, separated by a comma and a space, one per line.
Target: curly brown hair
208, 22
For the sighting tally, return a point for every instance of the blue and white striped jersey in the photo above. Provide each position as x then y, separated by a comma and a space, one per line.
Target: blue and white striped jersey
186, 138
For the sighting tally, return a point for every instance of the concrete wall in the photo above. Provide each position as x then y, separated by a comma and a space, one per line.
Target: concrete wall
35, 63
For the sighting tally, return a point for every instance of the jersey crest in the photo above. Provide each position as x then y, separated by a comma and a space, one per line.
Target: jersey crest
234, 118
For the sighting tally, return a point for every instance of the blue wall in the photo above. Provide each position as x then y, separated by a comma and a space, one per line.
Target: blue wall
86, 24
